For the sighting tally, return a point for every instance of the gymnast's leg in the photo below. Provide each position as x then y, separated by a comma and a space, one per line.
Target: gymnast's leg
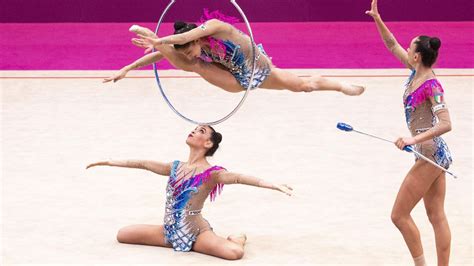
281, 79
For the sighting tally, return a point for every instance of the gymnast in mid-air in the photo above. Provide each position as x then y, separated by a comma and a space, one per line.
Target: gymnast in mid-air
222, 55
427, 118
190, 183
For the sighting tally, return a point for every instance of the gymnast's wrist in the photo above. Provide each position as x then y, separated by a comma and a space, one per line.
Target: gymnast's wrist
161, 41
417, 139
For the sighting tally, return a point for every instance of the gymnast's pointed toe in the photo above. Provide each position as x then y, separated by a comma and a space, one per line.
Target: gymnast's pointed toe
353, 90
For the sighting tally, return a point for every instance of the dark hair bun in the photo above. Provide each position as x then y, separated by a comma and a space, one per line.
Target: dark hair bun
179, 25
435, 43
428, 48
218, 137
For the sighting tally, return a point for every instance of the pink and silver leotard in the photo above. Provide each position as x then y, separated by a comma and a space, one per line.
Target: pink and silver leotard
235, 54
185, 196
420, 118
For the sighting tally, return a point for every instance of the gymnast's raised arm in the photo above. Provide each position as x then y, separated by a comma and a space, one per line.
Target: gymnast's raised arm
389, 40
155, 167
224, 177
141, 62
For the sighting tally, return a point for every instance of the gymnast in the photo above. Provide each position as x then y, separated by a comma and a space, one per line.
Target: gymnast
222, 55
427, 118
189, 184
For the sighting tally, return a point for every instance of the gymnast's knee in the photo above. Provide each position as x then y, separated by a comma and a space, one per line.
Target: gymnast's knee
305, 86
124, 235
318, 82
436, 217
313, 84
234, 253
398, 219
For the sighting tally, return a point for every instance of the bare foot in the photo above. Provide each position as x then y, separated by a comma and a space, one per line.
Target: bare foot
352, 90
239, 239
142, 30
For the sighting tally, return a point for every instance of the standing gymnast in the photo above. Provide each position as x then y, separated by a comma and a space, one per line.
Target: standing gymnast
222, 55
189, 184
427, 118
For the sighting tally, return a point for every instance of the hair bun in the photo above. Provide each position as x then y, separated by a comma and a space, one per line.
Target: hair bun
435, 43
179, 25
218, 137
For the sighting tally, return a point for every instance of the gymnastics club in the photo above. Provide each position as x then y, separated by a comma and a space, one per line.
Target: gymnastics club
408, 148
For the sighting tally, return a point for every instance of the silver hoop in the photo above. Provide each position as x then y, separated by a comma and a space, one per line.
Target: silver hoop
155, 69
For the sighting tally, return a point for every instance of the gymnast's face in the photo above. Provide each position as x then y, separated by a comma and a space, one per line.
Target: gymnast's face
192, 51
413, 57
200, 137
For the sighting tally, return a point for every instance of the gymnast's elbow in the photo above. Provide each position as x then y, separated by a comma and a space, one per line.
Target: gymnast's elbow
444, 127
448, 126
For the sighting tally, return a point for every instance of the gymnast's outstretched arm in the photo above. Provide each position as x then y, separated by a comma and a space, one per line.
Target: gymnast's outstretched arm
224, 177
389, 40
153, 166
141, 62
213, 27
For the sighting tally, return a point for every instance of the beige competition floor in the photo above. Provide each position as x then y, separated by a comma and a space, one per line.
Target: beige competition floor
56, 212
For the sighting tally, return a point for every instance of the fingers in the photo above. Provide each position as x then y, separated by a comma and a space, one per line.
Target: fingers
370, 13
147, 39
286, 189
142, 44
397, 143
95, 164
287, 192
400, 143
143, 36
139, 42
150, 39
373, 9
114, 79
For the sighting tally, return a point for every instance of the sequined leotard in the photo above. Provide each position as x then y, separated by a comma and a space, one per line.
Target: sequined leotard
420, 118
236, 55
185, 198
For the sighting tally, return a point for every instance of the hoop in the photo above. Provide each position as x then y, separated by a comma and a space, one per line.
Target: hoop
155, 69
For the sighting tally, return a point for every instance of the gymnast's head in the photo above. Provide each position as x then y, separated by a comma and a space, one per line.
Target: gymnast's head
204, 138
424, 50
191, 49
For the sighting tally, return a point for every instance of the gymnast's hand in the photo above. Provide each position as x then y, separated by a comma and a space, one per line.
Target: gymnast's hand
97, 164
284, 188
374, 11
117, 76
146, 42
402, 142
